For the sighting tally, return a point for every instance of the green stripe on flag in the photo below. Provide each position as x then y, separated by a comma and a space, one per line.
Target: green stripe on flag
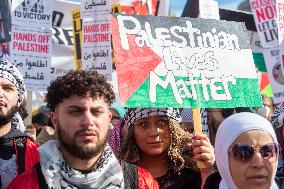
267, 91
259, 62
245, 93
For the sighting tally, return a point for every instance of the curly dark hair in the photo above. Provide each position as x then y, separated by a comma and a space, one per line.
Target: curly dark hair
81, 83
179, 157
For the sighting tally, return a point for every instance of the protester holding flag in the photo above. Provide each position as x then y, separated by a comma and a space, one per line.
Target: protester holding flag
157, 143
246, 150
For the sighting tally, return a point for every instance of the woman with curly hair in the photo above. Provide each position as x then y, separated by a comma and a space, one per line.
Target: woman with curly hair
157, 143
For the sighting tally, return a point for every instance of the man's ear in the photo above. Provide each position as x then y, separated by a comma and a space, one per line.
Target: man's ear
54, 119
109, 115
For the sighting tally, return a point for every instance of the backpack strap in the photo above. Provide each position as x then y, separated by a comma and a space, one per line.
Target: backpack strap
20, 148
41, 180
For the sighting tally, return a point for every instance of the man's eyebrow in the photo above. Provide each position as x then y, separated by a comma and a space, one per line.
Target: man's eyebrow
75, 107
9, 85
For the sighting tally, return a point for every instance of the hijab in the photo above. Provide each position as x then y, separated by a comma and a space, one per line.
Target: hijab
228, 131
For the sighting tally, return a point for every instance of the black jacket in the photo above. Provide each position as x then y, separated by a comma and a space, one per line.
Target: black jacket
213, 180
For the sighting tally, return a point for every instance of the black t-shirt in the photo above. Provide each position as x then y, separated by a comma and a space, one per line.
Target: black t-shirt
185, 179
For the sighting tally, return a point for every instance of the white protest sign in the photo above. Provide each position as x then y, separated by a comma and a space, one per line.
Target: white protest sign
91, 8
31, 53
209, 9
96, 45
275, 73
32, 13
264, 13
280, 19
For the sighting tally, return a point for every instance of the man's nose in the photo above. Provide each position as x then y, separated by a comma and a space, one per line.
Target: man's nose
87, 119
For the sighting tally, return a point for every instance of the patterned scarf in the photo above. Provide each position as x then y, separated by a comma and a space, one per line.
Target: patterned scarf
58, 174
10, 72
277, 117
134, 114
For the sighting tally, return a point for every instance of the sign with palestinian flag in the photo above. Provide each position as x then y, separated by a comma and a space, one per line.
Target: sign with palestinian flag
183, 62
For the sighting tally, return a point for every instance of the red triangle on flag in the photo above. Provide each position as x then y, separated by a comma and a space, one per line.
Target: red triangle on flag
133, 65
264, 80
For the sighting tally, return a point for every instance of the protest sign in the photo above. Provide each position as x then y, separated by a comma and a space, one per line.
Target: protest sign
62, 59
96, 45
209, 9
91, 8
138, 7
30, 53
272, 57
32, 13
280, 19
264, 13
183, 62
77, 35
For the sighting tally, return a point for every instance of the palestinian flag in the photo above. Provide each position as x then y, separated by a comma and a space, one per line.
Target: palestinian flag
183, 62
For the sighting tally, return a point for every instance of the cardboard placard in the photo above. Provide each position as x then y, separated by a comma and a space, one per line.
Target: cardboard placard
264, 13
32, 13
31, 54
183, 62
276, 76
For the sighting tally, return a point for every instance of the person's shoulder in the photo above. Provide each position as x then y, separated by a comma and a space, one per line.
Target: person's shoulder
27, 179
30, 143
190, 172
145, 179
213, 181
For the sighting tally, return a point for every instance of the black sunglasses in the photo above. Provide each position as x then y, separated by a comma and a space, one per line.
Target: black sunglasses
245, 152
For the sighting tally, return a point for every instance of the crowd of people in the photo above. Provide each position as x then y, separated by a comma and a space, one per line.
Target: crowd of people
84, 139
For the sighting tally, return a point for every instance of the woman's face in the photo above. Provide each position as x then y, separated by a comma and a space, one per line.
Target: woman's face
152, 135
255, 173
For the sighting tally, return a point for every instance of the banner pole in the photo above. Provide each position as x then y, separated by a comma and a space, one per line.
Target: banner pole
29, 107
198, 130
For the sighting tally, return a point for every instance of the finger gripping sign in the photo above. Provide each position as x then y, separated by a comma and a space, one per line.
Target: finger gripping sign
183, 62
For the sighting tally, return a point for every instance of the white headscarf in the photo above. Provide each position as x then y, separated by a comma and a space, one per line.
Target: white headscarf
228, 132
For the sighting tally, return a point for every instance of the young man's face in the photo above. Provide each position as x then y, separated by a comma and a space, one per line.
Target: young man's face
8, 99
83, 125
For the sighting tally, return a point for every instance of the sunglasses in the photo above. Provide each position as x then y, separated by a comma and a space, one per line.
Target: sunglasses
244, 152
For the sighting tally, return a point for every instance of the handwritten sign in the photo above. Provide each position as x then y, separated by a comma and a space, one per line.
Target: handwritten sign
183, 62
276, 76
138, 7
32, 13
96, 46
91, 8
264, 13
31, 54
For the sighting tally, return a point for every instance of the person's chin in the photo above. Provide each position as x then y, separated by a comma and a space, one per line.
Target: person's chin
258, 183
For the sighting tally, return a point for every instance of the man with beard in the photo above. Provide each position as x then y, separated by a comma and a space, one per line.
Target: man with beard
17, 151
81, 158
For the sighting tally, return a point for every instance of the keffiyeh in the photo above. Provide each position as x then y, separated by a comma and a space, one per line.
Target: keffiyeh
228, 132
277, 117
134, 114
186, 115
107, 172
10, 72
